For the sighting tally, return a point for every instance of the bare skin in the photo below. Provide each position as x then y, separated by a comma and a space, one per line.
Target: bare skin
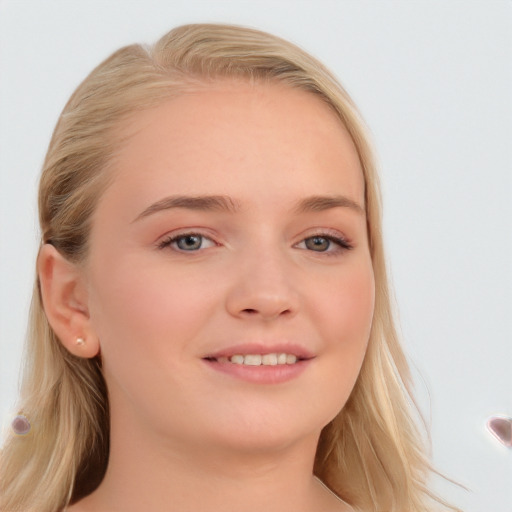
170, 292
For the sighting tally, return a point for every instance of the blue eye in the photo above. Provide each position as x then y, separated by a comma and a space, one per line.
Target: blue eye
188, 242
324, 243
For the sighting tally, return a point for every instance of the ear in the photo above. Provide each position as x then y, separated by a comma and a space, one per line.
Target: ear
64, 295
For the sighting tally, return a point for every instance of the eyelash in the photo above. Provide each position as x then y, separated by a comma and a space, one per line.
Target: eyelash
168, 241
341, 243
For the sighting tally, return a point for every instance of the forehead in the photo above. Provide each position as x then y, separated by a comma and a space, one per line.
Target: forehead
241, 139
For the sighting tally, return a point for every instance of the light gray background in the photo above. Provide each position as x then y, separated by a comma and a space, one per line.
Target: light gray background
434, 82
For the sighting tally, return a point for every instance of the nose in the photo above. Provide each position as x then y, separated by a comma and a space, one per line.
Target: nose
263, 288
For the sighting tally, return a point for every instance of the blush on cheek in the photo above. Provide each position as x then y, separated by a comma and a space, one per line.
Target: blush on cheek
150, 307
362, 290
352, 304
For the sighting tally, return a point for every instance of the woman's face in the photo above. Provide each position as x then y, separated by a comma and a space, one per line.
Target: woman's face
233, 233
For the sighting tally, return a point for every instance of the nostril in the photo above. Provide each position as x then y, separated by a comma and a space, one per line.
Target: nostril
255, 312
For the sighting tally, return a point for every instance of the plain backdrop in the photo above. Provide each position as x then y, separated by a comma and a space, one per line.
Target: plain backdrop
433, 80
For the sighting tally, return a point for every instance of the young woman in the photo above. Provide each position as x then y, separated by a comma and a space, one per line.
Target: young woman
211, 327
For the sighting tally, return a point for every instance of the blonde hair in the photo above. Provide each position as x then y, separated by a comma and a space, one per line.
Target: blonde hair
371, 454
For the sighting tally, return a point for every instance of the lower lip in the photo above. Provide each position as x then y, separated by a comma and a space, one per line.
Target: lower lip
262, 374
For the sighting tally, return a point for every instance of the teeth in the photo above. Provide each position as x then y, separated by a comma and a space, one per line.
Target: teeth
252, 360
270, 359
265, 360
291, 359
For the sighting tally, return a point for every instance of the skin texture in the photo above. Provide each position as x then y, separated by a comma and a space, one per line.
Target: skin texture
185, 436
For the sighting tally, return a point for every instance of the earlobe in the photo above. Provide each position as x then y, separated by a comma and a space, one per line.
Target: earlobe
64, 296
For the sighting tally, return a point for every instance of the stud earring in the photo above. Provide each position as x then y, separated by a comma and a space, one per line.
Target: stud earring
20, 425
80, 341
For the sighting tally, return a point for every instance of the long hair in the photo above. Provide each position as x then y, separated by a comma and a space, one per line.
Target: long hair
372, 454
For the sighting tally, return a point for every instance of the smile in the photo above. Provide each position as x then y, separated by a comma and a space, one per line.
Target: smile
261, 364
260, 359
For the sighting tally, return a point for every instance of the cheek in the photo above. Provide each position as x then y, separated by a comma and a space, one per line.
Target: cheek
147, 322
345, 321
150, 308
341, 315
350, 304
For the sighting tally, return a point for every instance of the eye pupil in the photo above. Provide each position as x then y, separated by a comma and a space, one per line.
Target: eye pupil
318, 243
189, 242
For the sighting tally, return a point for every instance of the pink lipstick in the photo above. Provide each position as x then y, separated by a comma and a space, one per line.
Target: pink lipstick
263, 364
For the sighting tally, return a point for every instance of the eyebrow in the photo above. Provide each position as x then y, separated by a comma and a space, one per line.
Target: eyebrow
321, 203
201, 203
227, 204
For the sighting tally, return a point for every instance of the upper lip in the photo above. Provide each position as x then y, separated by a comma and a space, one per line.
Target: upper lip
259, 348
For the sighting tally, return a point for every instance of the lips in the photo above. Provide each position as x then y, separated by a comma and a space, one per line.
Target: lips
266, 364
272, 359
251, 351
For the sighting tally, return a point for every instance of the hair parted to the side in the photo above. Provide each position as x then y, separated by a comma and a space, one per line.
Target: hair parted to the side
371, 454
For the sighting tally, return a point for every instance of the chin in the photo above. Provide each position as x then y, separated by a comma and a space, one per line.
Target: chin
265, 432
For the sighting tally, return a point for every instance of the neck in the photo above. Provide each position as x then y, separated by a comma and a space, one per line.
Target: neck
153, 474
